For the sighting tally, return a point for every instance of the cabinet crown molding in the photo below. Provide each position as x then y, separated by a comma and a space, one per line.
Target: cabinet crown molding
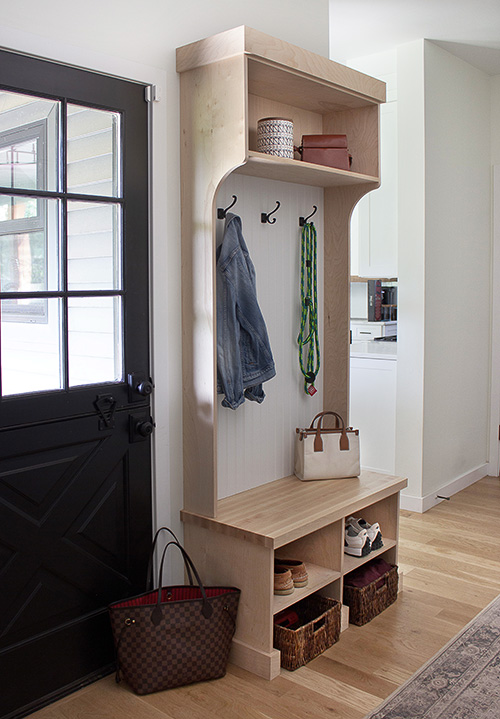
254, 43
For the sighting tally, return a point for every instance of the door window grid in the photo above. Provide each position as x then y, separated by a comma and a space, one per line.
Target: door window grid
104, 273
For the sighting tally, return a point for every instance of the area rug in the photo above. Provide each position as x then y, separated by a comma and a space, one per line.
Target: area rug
462, 681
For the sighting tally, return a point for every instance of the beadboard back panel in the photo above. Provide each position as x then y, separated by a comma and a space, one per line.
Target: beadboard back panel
255, 443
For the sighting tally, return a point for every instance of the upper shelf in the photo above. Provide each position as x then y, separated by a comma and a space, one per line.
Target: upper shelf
292, 86
302, 173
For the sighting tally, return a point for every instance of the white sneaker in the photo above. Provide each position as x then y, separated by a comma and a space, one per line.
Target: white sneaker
373, 531
356, 541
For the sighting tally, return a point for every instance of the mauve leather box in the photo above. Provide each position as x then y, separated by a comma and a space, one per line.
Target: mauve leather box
329, 150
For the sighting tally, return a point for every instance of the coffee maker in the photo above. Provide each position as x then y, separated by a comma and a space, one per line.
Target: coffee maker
382, 301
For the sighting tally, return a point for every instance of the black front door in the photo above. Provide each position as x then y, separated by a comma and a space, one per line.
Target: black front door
75, 425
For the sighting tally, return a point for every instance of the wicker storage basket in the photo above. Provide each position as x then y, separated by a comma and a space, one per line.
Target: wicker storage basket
320, 628
366, 602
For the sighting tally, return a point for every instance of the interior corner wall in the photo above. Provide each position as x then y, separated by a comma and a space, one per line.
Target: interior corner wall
411, 269
495, 119
457, 269
494, 448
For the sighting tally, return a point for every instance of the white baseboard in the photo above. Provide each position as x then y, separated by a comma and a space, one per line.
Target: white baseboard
422, 504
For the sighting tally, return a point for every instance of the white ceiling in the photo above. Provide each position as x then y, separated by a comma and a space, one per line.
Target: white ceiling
469, 29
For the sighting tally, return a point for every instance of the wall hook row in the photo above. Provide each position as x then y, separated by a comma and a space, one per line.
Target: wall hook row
264, 217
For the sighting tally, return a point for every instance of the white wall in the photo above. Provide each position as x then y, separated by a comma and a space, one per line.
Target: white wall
411, 271
138, 41
457, 268
444, 266
495, 119
494, 453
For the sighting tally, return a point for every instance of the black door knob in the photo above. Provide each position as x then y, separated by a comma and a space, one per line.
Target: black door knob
145, 388
144, 428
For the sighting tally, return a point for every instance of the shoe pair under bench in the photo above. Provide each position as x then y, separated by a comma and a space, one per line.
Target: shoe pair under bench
289, 574
360, 537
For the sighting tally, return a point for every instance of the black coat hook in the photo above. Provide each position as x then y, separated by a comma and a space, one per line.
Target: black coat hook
264, 217
221, 214
303, 220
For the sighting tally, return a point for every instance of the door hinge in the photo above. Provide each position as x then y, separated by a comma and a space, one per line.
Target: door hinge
152, 93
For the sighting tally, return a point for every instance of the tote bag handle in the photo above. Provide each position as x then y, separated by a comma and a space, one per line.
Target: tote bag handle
318, 441
149, 575
206, 609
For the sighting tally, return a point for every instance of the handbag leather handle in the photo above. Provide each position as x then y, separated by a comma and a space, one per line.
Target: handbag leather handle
339, 422
149, 574
206, 609
318, 441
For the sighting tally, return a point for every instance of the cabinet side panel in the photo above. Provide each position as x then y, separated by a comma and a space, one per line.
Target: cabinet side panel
227, 561
339, 203
361, 127
213, 109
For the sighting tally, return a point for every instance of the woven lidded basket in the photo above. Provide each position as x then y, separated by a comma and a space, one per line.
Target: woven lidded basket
365, 603
320, 618
275, 136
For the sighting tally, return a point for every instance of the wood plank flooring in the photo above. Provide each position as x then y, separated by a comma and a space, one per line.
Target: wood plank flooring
450, 560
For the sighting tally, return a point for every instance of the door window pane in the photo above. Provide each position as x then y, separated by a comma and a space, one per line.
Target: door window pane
94, 164
95, 340
94, 246
29, 142
29, 247
30, 352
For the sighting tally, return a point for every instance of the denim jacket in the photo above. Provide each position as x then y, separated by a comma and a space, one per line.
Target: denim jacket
244, 357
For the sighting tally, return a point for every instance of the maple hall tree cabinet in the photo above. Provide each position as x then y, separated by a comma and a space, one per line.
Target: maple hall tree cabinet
227, 83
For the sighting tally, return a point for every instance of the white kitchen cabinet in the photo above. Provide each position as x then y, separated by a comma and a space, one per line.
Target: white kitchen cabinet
374, 225
363, 330
373, 407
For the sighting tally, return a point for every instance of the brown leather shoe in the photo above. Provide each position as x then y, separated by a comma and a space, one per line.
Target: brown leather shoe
283, 582
296, 567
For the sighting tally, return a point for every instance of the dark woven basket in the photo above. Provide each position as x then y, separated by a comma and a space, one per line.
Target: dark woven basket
320, 620
365, 603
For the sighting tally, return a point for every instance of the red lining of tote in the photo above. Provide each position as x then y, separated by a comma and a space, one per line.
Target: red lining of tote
173, 594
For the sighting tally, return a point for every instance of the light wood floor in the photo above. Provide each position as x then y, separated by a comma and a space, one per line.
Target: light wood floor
450, 560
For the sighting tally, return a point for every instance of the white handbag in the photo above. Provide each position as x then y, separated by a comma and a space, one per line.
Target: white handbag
322, 453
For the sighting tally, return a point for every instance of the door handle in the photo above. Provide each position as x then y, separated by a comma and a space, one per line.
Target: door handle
145, 388
139, 384
141, 427
144, 428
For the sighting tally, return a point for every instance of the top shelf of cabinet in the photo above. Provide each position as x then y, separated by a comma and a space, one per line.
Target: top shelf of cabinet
285, 72
294, 86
